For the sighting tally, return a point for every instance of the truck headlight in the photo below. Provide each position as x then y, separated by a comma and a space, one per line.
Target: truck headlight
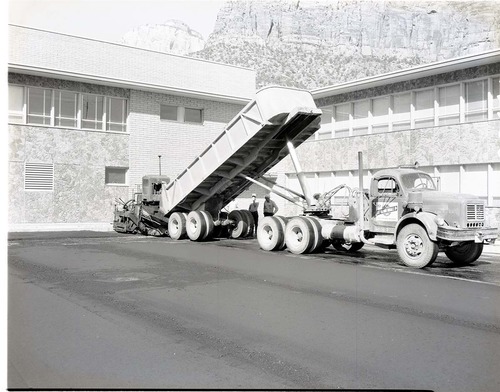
439, 221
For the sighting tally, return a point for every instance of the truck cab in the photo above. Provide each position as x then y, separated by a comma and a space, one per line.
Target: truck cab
408, 211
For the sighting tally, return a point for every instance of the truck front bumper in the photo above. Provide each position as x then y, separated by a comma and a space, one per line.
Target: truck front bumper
478, 235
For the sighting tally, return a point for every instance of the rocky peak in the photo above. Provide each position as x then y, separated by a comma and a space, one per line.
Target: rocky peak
430, 30
173, 36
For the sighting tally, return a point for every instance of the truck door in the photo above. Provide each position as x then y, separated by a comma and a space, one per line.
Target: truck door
386, 205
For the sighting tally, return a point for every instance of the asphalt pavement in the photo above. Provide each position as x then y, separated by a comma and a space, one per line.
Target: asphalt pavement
106, 310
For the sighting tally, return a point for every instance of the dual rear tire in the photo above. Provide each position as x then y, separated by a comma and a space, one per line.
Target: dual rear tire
271, 233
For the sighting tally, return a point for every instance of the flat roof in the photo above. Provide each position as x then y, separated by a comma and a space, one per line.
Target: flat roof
421, 71
45, 53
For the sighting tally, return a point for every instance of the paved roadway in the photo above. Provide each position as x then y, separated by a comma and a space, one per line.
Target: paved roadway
103, 310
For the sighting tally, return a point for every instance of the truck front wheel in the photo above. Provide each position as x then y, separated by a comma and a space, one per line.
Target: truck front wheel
464, 254
415, 248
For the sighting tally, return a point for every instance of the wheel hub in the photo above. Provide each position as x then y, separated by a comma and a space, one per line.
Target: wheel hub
413, 245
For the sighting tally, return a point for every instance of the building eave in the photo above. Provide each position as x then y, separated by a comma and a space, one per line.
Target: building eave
421, 71
128, 84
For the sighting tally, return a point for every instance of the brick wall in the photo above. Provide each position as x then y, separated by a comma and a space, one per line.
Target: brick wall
178, 143
93, 58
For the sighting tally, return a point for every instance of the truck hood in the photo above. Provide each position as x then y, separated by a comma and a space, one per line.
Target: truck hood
449, 206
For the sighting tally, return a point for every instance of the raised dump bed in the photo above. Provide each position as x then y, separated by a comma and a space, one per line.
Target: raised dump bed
253, 142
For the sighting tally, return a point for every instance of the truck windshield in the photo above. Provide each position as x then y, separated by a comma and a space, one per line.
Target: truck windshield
418, 180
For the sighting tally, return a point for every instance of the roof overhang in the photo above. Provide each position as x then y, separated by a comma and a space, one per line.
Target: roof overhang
128, 84
418, 72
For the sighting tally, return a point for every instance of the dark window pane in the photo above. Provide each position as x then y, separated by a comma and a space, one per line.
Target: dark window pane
193, 115
116, 175
168, 112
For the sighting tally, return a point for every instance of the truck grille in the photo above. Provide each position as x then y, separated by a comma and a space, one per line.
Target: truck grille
475, 215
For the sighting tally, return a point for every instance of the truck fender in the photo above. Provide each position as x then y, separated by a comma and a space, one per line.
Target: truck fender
425, 218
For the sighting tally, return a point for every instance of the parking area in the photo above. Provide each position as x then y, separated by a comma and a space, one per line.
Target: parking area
486, 269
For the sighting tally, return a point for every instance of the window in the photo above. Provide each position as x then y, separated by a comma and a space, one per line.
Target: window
168, 112
449, 105
39, 106
342, 115
193, 115
38, 176
380, 114
116, 175
325, 132
401, 112
92, 111
116, 111
424, 108
60, 108
181, 114
387, 185
360, 115
496, 98
16, 104
476, 108
66, 109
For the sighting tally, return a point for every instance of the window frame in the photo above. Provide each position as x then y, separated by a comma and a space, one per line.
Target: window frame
79, 110
181, 114
406, 121
126, 181
23, 109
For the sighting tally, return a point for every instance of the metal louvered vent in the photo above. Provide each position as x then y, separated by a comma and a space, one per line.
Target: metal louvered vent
39, 177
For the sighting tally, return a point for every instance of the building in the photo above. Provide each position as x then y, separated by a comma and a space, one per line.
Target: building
445, 116
87, 119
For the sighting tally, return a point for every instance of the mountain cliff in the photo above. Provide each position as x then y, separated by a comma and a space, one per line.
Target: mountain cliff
315, 43
173, 36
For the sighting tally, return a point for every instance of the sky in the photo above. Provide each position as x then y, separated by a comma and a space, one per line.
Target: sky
109, 20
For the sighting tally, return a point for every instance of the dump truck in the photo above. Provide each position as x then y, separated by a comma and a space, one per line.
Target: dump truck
402, 209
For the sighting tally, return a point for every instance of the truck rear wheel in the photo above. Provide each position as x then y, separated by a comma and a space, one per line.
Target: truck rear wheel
177, 225
247, 215
299, 235
318, 238
464, 254
415, 248
270, 233
283, 221
210, 224
240, 229
196, 226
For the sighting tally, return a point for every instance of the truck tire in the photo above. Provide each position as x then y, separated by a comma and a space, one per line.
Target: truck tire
342, 246
318, 238
464, 254
196, 226
299, 235
177, 226
270, 233
283, 221
240, 229
210, 224
250, 222
415, 248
